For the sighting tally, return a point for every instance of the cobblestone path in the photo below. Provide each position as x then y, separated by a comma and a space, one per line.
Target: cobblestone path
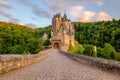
58, 67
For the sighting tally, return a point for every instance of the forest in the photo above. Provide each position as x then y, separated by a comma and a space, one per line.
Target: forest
98, 33
105, 35
18, 39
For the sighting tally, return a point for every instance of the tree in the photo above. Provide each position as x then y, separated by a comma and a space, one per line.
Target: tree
89, 50
109, 51
18, 39
47, 42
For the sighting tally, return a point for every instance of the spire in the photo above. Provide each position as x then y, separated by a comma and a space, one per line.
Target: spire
65, 16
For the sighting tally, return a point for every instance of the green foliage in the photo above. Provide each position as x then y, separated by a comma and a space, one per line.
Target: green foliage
98, 33
17, 49
16, 39
47, 42
109, 51
26, 52
89, 50
100, 52
70, 48
118, 56
78, 49
40, 31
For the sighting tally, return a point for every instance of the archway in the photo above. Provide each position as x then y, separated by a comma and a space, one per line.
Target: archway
56, 46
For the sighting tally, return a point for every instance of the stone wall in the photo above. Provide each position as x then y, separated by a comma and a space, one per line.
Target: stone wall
107, 65
11, 62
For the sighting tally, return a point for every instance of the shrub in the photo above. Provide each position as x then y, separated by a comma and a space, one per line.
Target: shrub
109, 51
118, 56
89, 50
70, 48
100, 52
77, 50
26, 52
15, 49
47, 42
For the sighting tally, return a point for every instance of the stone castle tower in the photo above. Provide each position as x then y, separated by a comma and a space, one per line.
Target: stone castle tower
62, 33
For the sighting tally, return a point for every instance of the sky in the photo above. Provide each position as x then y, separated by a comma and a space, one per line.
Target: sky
39, 13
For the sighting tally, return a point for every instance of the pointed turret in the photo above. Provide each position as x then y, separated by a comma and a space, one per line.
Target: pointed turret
65, 17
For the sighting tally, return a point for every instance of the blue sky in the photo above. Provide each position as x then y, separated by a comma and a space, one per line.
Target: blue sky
39, 13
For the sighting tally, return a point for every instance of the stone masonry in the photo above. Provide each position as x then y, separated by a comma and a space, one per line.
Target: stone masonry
58, 67
11, 62
62, 33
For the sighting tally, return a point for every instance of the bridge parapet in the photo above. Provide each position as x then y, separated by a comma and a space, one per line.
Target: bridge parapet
107, 65
11, 62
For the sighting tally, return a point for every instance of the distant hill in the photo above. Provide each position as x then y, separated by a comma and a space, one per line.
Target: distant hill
11, 25
98, 33
18, 39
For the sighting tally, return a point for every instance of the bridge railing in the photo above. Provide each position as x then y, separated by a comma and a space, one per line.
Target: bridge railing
11, 62
107, 65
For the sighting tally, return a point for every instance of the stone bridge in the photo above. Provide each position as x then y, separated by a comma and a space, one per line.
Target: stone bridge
57, 66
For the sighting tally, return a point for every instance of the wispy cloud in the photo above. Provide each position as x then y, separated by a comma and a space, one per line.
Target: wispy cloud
4, 4
42, 13
37, 10
4, 14
73, 7
64, 4
14, 20
10, 18
31, 25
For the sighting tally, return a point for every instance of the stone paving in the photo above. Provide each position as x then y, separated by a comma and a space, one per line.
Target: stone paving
58, 67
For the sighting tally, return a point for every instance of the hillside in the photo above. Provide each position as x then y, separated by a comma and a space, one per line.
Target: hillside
18, 39
98, 33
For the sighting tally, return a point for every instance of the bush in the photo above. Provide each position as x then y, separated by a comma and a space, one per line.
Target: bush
89, 50
47, 42
26, 52
34, 46
118, 56
109, 51
100, 52
78, 49
15, 49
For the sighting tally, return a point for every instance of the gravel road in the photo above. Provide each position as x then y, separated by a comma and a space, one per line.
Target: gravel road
58, 67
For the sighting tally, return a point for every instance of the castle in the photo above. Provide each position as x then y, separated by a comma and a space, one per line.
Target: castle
62, 33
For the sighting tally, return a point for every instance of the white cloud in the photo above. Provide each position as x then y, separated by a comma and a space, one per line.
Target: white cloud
87, 16
76, 11
103, 16
100, 3
37, 10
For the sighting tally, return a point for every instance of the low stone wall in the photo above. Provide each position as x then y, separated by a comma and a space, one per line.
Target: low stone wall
11, 62
108, 65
